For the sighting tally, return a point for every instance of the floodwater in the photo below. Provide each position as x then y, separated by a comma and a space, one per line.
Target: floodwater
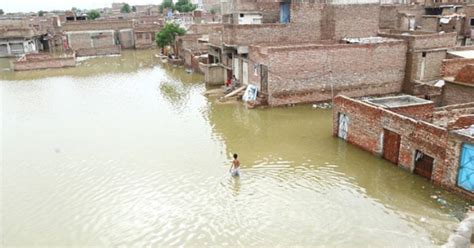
125, 151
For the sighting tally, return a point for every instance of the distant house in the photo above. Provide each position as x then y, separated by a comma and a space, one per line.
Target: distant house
19, 41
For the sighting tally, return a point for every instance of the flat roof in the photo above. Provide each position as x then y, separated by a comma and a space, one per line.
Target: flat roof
469, 132
468, 54
398, 101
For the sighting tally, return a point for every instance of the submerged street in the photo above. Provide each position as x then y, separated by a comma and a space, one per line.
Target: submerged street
127, 151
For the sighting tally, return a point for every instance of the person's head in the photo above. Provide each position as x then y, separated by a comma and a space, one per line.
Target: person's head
235, 155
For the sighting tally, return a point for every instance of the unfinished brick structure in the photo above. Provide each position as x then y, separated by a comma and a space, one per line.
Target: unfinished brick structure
44, 61
425, 54
460, 88
424, 147
99, 35
392, 16
458, 73
376, 68
192, 47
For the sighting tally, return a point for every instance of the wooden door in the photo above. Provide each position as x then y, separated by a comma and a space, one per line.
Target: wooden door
391, 146
423, 165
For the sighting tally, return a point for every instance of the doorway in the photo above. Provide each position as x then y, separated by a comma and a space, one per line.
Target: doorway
343, 126
391, 146
423, 165
285, 12
466, 167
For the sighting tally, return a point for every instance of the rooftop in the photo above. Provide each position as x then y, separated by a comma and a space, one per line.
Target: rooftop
467, 54
398, 101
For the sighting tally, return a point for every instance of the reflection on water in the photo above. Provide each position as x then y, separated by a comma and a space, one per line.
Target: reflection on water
124, 151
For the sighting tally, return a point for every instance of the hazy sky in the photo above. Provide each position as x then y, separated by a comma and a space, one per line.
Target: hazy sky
36, 5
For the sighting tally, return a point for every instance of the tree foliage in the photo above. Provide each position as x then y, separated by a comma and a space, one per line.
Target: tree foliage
40, 13
166, 4
184, 6
167, 34
93, 14
181, 5
1, 12
126, 8
134, 9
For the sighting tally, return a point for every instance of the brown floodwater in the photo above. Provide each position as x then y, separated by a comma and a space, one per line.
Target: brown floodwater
125, 151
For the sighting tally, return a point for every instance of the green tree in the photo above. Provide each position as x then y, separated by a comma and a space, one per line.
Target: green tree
134, 9
40, 13
167, 34
126, 8
184, 6
74, 9
1, 12
93, 14
166, 4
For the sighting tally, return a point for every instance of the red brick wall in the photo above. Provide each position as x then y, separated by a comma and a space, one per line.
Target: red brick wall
419, 112
302, 73
45, 63
463, 121
98, 51
454, 93
466, 75
451, 67
443, 115
423, 40
97, 25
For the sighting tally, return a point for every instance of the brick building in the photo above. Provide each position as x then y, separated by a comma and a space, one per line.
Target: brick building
192, 47
145, 28
435, 143
315, 72
298, 22
99, 37
457, 71
425, 53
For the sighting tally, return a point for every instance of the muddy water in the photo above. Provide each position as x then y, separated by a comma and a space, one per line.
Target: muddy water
124, 151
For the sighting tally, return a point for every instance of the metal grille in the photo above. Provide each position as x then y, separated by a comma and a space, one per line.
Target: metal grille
466, 168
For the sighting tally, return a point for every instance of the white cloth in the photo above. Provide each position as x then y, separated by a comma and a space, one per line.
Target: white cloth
235, 172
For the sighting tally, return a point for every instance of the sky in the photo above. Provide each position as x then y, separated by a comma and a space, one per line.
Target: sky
36, 5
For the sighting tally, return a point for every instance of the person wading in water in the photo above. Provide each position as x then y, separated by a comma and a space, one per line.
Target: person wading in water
235, 167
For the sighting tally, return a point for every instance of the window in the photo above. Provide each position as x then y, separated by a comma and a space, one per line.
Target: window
241, 15
423, 54
472, 22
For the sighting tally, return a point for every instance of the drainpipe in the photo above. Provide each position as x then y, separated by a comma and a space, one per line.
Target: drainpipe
423, 61
9, 49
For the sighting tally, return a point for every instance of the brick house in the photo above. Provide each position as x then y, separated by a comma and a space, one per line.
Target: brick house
99, 37
299, 73
435, 143
284, 23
